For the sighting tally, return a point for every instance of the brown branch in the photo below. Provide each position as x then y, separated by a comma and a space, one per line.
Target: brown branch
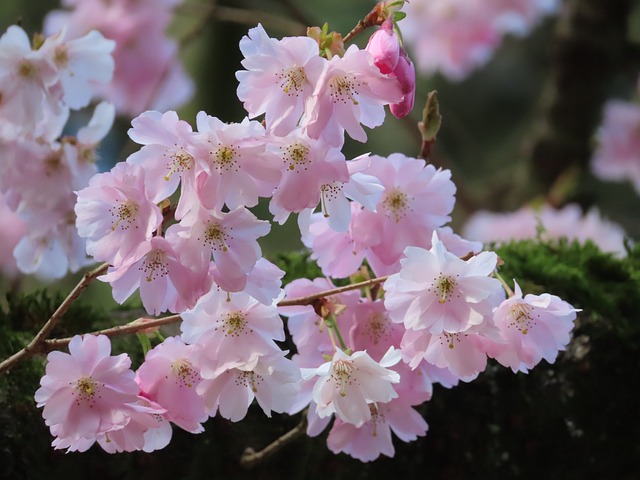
36, 344
133, 327
250, 458
309, 299
375, 17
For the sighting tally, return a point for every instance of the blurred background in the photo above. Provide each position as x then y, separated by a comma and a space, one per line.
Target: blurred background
498, 137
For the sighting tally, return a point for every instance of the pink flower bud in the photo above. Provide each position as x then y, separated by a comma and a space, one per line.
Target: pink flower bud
385, 48
405, 72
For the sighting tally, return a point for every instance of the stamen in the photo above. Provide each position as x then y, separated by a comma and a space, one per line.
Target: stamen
184, 372
343, 87
292, 80
126, 214
297, 155
181, 162
396, 204
155, 265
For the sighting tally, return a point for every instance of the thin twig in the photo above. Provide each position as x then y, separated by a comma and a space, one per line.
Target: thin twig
133, 327
35, 345
250, 458
309, 299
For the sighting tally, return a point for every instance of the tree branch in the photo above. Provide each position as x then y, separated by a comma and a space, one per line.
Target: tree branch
250, 458
35, 345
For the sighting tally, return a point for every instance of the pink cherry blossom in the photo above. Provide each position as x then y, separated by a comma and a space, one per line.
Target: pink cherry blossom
233, 169
85, 393
308, 166
350, 92
280, 75
81, 64
169, 378
148, 74
167, 156
146, 430
463, 354
439, 292
231, 329
348, 384
547, 223
25, 81
534, 327
164, 282
272, 380
231, 238
115, 213
368, 441
617, 156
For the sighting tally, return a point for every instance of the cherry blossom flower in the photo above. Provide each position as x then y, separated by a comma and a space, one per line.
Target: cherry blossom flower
272, 380
169, 378
367, 441
115, 213
85, 393
231, 238
308, 166
25, 81
280, 75
148, 74
234, 169
167, 156
350, 92
81, 64
534, 327
146, 430
439, 292
164, 282
617, 156
231, 329
547, 223
348, 384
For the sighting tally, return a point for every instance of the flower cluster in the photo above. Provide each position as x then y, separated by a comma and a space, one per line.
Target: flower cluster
148, 73
617, 156
456, 36
39, 85
547, 223
173, 222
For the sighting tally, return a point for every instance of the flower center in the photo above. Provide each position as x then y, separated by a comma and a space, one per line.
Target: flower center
445, 286
235, 324
26, 69
396, 204
377, 327
342, 373
215, 236
292, 80
61, 56
184, 373
180, 162
297, 156
248, 379
86, 390
155, 265
125, 214
224, 158
343, 88
522, 319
